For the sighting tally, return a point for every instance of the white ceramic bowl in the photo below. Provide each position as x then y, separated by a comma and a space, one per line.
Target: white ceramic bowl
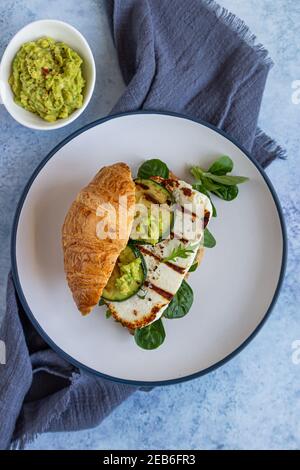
59, 31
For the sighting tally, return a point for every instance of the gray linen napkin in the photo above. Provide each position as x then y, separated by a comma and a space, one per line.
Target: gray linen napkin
191, 57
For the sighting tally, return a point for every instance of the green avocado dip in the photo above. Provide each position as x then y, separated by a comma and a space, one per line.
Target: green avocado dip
130, 273
47, 79
126, 278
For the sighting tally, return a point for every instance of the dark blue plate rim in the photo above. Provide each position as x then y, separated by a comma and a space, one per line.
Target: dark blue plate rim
69, 358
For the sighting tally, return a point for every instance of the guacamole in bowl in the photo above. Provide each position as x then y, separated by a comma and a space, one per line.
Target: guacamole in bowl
47, 79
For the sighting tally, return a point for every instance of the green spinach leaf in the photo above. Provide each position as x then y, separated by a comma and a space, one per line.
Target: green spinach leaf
154, 167
226, 180
227, 193
209, 239
181, 302
197, 173
216, 181
151, 336
193, 268
210, 185
222, 166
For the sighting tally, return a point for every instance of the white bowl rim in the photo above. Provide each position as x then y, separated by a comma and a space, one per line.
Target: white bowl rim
62, 122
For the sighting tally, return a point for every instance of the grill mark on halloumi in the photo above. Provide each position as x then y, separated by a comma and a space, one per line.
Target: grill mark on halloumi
149, 253
183, 240
165, 294
206, 218
185, 210
176, 268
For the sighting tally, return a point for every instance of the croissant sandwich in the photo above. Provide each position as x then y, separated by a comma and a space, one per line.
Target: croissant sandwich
124, 246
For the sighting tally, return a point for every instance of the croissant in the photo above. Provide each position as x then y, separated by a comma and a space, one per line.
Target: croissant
89, 259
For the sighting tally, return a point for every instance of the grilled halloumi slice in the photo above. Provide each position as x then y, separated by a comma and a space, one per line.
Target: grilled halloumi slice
193, 212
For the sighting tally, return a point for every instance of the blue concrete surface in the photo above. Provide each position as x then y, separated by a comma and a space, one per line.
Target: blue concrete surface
253, 401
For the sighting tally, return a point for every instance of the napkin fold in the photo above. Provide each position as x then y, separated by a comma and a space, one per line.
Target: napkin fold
192, 57
197, 58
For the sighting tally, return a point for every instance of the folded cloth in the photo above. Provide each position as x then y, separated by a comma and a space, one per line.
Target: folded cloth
196, 58
191, 57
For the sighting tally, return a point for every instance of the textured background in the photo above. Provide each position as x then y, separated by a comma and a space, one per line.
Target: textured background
253, 401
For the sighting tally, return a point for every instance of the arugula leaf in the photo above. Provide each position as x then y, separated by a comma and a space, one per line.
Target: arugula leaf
222, 166
209, 239
226, 180
181, 302
227, 193
193, 268
108, 313
101, 301
154, 167
200, 187
179, 252
151, 336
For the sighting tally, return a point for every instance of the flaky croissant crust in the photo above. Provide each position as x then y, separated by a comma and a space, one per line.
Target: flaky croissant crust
89, 260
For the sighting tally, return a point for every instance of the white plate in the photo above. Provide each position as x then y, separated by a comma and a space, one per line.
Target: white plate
234, 289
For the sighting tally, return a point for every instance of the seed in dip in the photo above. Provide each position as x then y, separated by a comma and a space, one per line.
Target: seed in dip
47, 79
